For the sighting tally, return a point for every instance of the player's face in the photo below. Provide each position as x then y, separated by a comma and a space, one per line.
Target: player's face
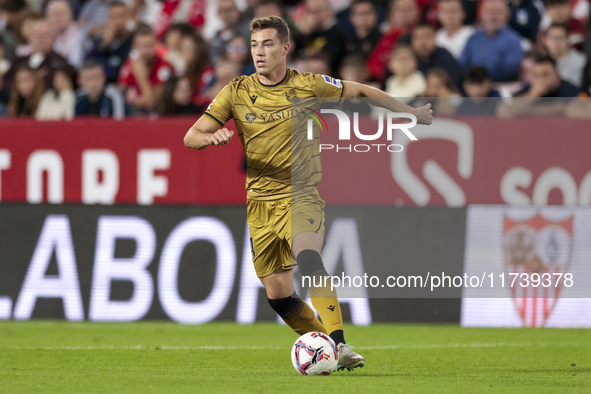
268, 53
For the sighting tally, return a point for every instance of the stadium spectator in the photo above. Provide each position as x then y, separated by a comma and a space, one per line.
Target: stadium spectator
525, 18
176, 99
225, 71
4, 63
452, 35
94, 15
42, 58
271, 8
23, 27
59, 100
249, 13
546, 95
569, 61
10, 9
546, 82
407, 82
353, 69
25, 93
364, 19
94, 98
559, 11
194, 51
172, 46
403, 15
275, 8
439, 84
429, 55
321, 32
69, 38
230, 15
318, 63
481, 99
143, 73
496, 47
112, 46
237, 51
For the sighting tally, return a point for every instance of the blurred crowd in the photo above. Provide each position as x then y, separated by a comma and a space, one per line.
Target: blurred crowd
61, 59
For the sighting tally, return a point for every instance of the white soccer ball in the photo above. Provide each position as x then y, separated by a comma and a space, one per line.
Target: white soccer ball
314, 353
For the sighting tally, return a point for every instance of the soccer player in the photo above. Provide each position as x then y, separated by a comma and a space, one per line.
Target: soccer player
285, 217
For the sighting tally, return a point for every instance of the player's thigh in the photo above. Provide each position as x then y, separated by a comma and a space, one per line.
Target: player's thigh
270, 252
307, 225
279, 284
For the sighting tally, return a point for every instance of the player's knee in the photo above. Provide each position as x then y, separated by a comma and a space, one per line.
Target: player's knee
282, 306
310, 262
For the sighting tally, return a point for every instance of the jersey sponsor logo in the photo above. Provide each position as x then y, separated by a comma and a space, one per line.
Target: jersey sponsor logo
253, 98
250, 117
333, 81
283, 115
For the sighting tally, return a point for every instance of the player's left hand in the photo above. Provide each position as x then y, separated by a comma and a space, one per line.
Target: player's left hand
424, 114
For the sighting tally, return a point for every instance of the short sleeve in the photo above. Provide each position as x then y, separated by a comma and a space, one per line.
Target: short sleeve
325, 86
220, 109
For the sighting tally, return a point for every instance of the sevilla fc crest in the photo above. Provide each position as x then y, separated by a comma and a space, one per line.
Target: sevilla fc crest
536, 246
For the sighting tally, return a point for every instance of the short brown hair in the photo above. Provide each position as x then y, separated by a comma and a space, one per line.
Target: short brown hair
143, 29
271, 22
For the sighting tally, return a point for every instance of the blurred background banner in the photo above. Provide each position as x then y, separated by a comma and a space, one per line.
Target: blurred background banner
112, 162
459, 161
194, 264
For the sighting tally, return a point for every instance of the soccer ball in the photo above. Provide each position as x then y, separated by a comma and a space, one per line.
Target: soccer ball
314, 353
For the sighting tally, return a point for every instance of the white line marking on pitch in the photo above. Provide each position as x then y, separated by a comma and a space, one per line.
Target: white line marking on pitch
137, 347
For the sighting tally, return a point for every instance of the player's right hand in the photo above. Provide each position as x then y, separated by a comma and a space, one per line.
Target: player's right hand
220, 137
424, 114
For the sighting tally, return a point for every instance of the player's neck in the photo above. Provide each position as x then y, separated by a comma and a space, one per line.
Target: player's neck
274, 77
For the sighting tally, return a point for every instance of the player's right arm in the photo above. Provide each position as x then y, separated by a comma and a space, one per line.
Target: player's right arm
209, 129
207, 132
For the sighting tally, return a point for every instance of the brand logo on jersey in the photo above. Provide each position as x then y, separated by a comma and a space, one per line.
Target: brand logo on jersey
291, 96
311, 220
333, 81
253, 98
250, 117
331, 307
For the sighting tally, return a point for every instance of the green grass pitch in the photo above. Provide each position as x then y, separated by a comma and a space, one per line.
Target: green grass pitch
150, 357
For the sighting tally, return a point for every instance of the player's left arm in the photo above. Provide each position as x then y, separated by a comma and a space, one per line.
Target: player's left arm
379, 98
